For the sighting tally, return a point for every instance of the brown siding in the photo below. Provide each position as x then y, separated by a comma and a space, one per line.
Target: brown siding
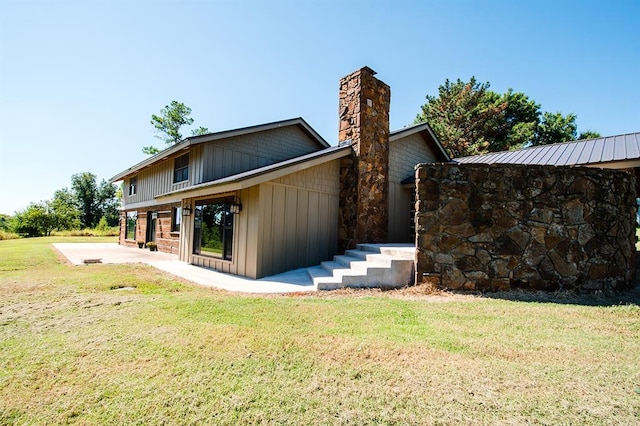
152, 181
242, 153
298, 219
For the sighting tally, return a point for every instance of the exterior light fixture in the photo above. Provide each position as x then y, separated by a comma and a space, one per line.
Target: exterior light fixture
236, 206
186, 210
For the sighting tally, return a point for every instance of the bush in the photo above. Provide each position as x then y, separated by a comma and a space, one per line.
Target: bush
4, 235
102, 225
88, 232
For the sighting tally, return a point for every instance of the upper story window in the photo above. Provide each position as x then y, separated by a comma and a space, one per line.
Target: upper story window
181, 168
133, 186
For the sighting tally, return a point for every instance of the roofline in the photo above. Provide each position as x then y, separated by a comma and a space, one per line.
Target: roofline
419, 128
210, 137
256, 176
260, 128
533, 149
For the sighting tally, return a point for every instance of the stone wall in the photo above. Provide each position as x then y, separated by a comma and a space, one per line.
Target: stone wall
364, 103
498, 227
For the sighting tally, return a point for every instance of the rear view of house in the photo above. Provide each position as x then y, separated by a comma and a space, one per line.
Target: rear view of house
265, 199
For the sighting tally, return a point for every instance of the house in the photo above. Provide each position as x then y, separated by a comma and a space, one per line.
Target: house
265, 199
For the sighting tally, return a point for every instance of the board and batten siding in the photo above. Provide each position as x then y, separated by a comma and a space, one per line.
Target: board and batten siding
298, 219
239, 154
404, 155
285, 224
244, 237
154, 180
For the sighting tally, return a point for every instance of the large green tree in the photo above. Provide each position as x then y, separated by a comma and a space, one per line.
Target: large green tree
85, 192
94, 201
470, 119
64, 209
168, 123
108, 202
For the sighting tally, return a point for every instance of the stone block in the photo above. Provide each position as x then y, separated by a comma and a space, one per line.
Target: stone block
452, 213
500, 284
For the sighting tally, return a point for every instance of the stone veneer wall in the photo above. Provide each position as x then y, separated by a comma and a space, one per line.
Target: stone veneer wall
498, 227
364, 103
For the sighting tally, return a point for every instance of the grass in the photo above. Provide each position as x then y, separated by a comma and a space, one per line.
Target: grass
126, 344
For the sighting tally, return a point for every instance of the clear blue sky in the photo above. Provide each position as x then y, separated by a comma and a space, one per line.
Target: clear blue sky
79, 80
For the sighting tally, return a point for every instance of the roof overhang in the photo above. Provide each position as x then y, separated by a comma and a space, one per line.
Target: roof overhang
257, 176
211, 137
427, 134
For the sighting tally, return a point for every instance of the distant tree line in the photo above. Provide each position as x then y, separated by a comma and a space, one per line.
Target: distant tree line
86, 205
471, 119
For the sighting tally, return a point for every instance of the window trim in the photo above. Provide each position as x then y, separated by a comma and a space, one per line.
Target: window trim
176, 219
181, 168
133, 186
133, 214
228, 230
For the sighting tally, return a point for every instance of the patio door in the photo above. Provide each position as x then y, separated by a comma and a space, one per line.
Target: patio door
151, 226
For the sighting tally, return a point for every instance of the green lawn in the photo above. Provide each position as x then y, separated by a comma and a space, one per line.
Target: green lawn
126, 344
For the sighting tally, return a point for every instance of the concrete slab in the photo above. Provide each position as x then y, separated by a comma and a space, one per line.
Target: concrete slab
288, 282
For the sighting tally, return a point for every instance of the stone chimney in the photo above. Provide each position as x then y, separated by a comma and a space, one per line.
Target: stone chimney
364, 185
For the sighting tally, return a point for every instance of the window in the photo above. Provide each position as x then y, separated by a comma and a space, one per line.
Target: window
213, 229
176, 219
133, 186
132, 218
181, 168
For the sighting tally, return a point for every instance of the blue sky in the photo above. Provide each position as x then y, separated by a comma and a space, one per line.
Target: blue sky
79, 80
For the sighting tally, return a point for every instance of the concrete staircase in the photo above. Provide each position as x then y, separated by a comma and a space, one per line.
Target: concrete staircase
369, 265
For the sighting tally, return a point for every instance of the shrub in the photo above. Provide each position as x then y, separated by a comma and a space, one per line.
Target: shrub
4, 235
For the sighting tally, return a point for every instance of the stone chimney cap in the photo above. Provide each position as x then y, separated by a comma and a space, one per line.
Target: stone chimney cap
368, 70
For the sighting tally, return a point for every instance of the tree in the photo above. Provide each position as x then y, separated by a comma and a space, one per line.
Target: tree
588, 134
464, 116
172, 117
199, 131
554, 128
108, 202
85, 192
64, 210
470, 119
35, 221
5, 222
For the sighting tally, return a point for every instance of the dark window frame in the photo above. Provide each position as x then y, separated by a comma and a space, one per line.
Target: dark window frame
133, 186
181, 168
130, 225
217, 236
176, 219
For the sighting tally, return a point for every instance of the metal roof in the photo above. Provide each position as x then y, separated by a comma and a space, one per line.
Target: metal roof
611, 151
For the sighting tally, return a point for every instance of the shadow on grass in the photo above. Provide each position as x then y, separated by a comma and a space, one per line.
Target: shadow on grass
621, 298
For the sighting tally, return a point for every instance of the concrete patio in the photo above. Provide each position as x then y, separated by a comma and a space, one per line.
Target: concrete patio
83, 253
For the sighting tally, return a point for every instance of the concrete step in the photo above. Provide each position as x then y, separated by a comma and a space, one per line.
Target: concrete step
405, 251
370, 265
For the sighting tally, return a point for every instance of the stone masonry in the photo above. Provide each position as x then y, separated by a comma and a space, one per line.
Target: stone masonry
364, 120
498, 227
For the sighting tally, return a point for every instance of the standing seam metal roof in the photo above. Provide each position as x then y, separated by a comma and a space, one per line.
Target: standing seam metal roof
583, 152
